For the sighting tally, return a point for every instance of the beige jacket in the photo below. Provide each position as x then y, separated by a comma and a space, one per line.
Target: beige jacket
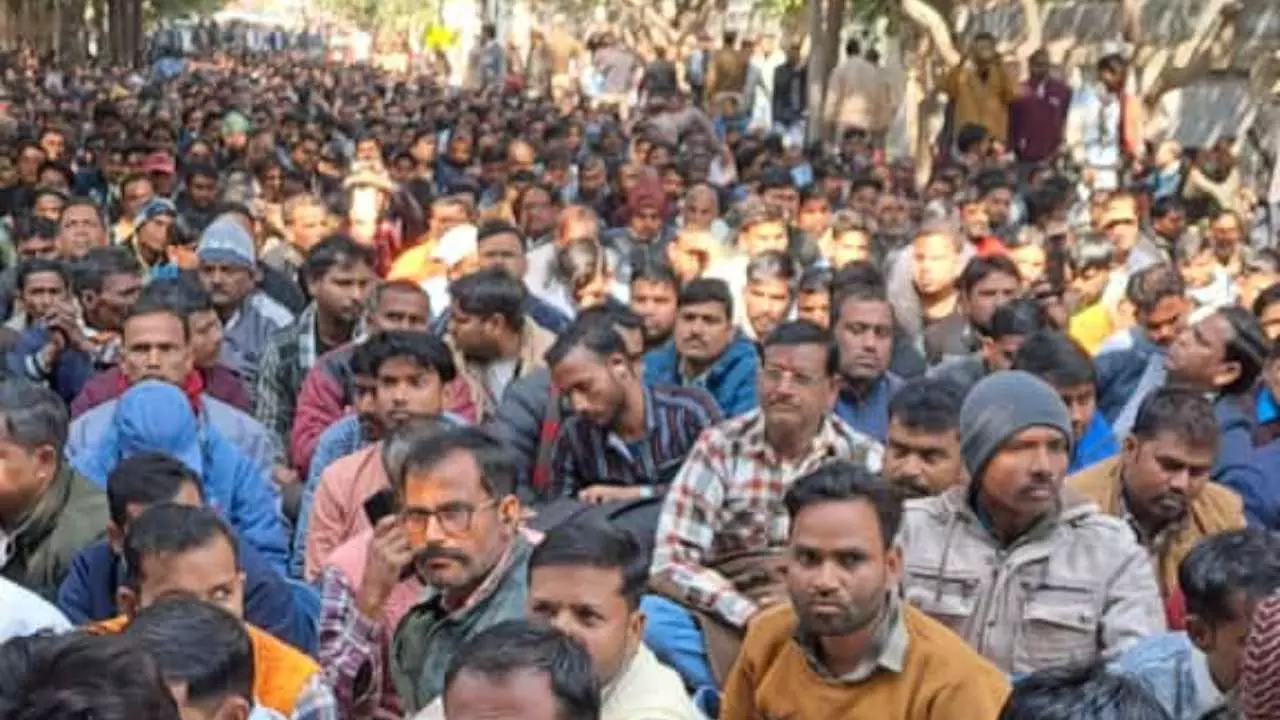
1072, 590
859, 94
476, 404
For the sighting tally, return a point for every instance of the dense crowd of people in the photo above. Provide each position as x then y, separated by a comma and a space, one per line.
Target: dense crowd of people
587, 389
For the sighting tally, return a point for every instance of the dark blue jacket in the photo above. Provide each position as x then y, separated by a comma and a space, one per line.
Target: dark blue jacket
731, 379
1119, 373
1253, 474
1097, 445
69, 372
88, 594
869, 415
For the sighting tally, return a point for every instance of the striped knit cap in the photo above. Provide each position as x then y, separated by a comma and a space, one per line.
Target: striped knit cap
1260, 672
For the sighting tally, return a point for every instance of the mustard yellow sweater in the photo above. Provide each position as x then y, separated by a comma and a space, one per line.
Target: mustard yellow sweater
942, 679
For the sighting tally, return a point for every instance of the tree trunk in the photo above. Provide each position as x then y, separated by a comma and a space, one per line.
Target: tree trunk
817, 80
115, 31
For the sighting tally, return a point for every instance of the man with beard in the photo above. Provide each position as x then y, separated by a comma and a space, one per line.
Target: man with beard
410, 370
1006, 560
456, 527
654, 291
624, 441
1160, 483
847, 643
863, 331
922, 453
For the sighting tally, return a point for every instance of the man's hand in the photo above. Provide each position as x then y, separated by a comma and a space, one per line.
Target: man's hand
388, 555
284, 475
597, 494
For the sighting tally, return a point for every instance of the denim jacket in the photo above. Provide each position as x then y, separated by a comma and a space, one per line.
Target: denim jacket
1176, 673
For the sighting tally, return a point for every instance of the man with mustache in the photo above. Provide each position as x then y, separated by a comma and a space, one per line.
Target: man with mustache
922, 453
410, 370
708, 351
1029, 576
456, 527
1160, 484
847, 640
863, 330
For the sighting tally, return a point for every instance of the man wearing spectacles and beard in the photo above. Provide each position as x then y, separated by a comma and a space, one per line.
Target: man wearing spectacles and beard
456, 528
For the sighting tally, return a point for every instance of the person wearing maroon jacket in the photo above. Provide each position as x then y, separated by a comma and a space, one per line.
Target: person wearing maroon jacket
208, 376
326, 391
1038, 115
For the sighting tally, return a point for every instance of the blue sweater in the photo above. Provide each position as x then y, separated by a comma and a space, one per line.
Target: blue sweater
731, 379
1097, 445
88, 594
869, 415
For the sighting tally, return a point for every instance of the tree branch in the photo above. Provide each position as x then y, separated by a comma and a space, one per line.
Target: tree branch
1131, 21
1034, 36
939, 31
1193, 58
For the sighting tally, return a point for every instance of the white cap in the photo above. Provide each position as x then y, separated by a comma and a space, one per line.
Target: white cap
457, 244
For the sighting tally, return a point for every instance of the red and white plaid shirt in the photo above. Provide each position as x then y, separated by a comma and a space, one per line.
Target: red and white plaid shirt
727, 499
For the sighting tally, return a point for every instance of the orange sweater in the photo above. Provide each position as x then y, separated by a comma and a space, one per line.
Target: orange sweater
941, 679
279, 671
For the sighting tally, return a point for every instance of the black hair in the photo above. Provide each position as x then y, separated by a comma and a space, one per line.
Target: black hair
35, 266
223, 666
1089, 692
596, 544
101, 263
1056, 358
857, 274
497, 226
852, 47
28, 227
335, 251
843, 480
1184, 412
200, 169
104, 677
488, 292
707, 290
1165, 205
862, 292
166, 529
1247, 347
929, 404
519, 646
147, 478
772, 265
981, 268
803, 332
599, 337
970, 136
1149, 286
815, 280
497, 467
32, 416
1019, 316
158, 305
650, 268
423, 348
1269, 296
1113, 62
183, 294
1224, 566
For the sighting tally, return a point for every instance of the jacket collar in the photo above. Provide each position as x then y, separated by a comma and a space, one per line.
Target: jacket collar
33, 527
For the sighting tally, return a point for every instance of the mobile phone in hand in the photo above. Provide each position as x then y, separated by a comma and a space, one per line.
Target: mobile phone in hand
380, 505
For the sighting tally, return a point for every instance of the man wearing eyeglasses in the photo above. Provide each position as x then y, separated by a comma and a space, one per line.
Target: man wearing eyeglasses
456, 528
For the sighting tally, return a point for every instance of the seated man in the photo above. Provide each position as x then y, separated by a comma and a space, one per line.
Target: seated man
847, 645
922, 455
158, 345
89, 592
410, 371
624, 440
1222, 579
181, 550
156, 416
205, 329
47, 511
585, 579
1030, 576
1087, 692
217, 681
1160, 484
863, 330
1060, 361
492, 343
518, 669
722, 525
327, 390
708, 351
456, 527
1010, 325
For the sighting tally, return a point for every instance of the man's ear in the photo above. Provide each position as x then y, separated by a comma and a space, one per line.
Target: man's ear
1199, 632
115, 537
1225, 374
126, 601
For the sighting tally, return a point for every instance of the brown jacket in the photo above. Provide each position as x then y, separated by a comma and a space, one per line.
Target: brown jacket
1214, 509
478, 406
727, 72
1077, 587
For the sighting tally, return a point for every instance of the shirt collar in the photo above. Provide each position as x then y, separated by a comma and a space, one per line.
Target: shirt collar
650, 422
888, 649
755, 442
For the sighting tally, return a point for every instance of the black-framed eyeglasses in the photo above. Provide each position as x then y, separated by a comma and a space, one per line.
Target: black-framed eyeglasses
454, 519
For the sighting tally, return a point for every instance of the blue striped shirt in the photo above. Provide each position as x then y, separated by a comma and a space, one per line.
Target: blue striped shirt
586, 454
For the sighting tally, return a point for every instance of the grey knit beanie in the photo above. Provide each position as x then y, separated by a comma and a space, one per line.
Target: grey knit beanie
1001, 405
